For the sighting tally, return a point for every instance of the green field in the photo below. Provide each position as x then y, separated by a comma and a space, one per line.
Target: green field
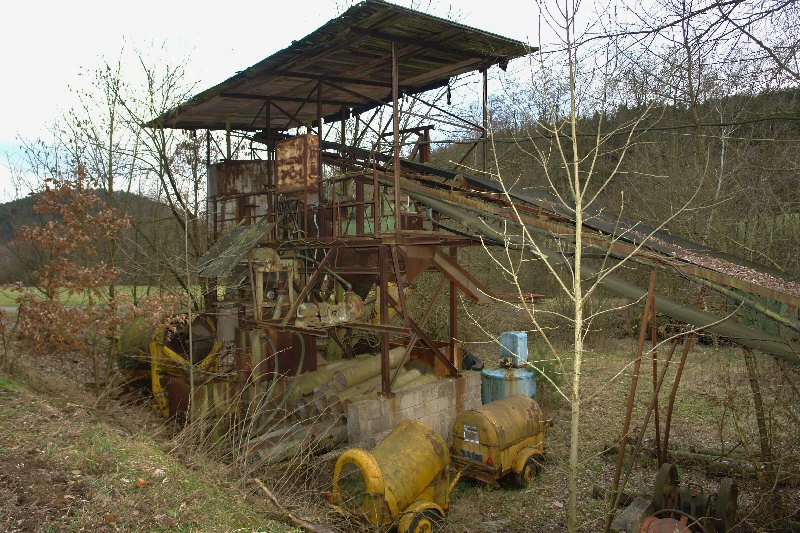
8, 296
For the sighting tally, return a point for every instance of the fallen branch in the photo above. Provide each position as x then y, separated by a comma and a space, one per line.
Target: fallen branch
289, 517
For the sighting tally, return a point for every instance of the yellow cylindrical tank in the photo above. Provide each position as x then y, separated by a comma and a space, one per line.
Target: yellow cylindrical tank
402, 480
499, 438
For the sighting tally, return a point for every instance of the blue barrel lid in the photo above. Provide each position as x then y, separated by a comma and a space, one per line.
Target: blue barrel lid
507, 373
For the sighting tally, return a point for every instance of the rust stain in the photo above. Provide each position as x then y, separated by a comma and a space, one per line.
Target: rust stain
298, 165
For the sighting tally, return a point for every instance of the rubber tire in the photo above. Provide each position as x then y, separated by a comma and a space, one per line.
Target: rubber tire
426, 521
531, 470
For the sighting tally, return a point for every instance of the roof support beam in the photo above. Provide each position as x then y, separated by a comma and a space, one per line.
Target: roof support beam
294, 99
431, 45
327, 77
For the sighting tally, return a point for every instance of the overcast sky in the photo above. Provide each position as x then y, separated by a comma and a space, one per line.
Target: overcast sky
47, 45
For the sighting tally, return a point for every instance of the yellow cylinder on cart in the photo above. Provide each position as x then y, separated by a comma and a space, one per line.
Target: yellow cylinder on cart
404, 479
500, 438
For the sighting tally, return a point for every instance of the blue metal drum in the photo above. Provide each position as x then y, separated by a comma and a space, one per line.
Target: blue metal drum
514, 346
499, 383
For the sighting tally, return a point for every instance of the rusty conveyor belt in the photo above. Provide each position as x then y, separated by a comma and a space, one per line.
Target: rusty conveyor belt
725, 326
778, 285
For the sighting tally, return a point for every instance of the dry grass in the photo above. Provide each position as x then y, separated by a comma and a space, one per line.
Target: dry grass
702, 420
114, 469
68, 466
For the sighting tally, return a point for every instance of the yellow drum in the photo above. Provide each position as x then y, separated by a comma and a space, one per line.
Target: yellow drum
403, 481
501, 438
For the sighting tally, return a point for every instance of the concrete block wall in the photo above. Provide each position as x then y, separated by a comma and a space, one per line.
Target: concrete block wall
434, 404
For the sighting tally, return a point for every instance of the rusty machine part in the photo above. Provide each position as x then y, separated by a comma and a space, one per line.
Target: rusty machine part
307, 220
403, 481
690, 509
504, 438
161, 356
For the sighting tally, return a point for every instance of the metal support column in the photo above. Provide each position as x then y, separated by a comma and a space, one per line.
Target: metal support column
321, 226
485, 134
396, 137
637, 362
386, 384
228, 138
453, 314
654, 339
688, 340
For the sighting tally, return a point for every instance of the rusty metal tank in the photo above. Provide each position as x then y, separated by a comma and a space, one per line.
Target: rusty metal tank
502, 438
403, 481
499, 383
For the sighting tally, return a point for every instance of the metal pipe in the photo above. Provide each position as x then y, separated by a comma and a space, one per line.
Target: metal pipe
453, 313
383, 294
654, 338
648, 310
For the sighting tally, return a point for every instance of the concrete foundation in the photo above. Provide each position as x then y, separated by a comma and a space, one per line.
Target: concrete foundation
631, 518
434, 404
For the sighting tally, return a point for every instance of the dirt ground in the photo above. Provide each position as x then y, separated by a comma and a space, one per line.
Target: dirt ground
68, 465
703, 419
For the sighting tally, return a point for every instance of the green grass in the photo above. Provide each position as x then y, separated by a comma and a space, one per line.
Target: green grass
114, 478
8, 296
6, 383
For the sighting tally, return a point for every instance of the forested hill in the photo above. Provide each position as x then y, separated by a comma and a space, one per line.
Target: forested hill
19, 212
14, 214
725, 172
153, 230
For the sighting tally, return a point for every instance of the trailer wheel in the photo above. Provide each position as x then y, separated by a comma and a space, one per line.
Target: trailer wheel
529, 472
426, 521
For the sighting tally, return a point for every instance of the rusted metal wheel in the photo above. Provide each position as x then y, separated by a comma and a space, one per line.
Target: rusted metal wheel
726, 505
665, 490
426, 521
531, 470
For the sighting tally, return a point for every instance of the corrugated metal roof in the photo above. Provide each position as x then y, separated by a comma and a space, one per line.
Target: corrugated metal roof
351, 54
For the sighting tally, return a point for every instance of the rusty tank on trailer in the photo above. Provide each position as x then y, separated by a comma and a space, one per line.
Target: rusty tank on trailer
499, 439
403, 481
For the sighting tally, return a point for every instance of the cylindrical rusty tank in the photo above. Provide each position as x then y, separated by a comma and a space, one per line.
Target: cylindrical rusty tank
404, 479
500, 438
138, 334
149, 353
499, 383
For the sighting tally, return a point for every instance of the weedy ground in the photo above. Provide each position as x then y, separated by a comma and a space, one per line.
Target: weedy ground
66, 465
703, 420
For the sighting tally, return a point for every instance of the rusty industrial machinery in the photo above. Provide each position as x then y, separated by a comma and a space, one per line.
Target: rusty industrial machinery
314, 243
504, 438
162, 357
403, 481
324, 212
680, 510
